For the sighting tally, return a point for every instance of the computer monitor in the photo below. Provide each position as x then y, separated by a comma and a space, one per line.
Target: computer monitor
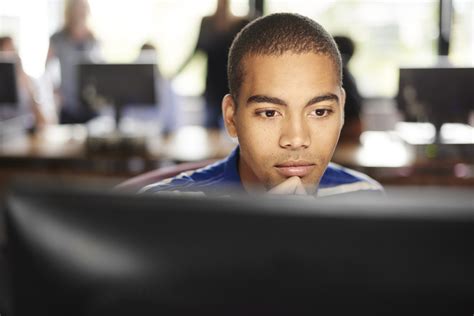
8, 86
117, 85
436, 95
83, 252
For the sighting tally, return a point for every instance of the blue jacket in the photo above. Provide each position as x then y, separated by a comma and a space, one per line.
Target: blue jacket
223, 176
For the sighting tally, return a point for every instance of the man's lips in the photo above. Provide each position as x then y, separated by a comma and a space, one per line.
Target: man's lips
295, 168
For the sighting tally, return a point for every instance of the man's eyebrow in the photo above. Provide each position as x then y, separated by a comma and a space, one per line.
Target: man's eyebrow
274, 100
324, 97
265, 99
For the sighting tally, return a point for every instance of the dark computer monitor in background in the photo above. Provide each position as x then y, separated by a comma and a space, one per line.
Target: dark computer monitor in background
15, 118
83, 252
436, 95
8, 86
117, 85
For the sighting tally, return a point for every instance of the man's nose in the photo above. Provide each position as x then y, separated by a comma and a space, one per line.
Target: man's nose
295, 133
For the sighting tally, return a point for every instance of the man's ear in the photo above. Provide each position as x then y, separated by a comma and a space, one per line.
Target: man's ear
229, 109
343, 104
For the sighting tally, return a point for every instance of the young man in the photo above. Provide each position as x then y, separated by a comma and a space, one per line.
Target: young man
286, 108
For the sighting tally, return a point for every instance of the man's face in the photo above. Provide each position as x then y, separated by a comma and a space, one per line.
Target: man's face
288, 118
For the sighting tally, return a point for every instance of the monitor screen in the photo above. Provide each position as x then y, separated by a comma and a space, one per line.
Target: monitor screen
117, 84
436, 95
8, 85
84, 252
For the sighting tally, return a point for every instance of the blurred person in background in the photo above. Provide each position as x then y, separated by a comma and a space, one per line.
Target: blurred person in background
352, 125
215, 37
167, 110
33, 96
73, 44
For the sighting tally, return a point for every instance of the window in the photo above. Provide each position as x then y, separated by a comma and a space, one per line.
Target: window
388, 34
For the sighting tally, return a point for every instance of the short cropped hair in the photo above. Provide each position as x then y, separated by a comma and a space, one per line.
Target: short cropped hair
274, 35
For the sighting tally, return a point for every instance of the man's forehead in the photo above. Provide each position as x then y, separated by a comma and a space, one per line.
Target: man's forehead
273, 72
250, 63
255, 57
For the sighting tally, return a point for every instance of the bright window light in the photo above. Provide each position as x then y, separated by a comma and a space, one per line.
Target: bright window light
416, 133
455, 133
383, 149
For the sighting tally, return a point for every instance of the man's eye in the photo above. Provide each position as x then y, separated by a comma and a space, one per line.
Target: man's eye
268, 113
321, 112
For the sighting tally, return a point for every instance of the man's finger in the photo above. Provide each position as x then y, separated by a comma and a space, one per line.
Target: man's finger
300, 190
291, 185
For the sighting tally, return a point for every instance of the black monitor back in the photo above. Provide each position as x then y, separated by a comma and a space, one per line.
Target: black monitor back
77, 252
436, 95
8, 85
117, 84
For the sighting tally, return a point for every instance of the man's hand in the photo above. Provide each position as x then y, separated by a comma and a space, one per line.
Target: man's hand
291, 186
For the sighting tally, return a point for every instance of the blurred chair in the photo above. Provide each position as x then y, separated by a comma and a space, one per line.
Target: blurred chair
138, 182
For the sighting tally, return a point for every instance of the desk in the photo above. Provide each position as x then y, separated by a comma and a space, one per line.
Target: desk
66, 145
62, 150
391, 160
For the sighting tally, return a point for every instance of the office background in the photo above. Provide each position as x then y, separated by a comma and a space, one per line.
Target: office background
388, 35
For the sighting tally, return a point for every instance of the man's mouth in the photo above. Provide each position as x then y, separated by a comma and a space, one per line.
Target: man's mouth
295, 168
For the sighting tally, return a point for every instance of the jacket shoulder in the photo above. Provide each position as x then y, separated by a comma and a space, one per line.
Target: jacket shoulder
339, 180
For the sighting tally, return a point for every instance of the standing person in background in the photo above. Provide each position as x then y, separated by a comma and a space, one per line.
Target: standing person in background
215, 37
167, 106
73, 44
31, 98
352, 126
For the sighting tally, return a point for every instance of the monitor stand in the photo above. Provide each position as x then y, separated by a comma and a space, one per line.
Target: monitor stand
110, 139
439, 150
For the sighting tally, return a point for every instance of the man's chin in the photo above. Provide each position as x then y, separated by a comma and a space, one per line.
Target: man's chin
309, 183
